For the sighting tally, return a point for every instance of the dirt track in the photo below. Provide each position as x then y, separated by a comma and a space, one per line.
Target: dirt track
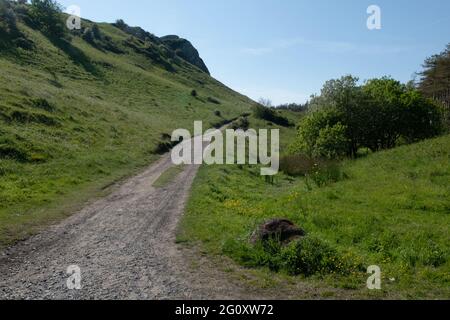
124, 245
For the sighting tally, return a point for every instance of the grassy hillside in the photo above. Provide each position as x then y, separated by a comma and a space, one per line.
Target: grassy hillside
74, 117
390, 209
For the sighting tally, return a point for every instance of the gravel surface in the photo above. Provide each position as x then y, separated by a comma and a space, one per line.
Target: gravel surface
124, 245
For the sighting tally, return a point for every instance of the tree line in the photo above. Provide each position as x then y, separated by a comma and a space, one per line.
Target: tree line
380, 114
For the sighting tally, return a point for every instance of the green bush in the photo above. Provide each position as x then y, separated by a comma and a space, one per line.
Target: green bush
332, 142
242, 124
310, 129
46, 16
310, 255
306, 256
8, 20
269, 114
10, 35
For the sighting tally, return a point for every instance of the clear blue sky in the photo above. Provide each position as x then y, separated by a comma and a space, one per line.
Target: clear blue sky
285, 50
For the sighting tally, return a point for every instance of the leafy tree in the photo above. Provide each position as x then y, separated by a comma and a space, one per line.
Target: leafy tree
421, 117
399, 110
46, 16
332, 142
346, 97
384, 111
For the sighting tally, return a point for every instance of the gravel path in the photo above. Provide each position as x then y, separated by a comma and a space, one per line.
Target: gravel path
124, 245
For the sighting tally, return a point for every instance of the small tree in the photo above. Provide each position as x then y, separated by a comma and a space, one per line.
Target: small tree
46, 15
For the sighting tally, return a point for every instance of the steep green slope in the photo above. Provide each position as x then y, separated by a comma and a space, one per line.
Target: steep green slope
76, 116
391, 209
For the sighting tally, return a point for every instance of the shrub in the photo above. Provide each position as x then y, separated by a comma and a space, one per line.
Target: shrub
121, 24
242, 124
332, 142
10, 149
88, 36
8, 20
46, 16
309, 256
269, 114
306, 256
217, 113
13, 153
42, 104
96, 32
23, 43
